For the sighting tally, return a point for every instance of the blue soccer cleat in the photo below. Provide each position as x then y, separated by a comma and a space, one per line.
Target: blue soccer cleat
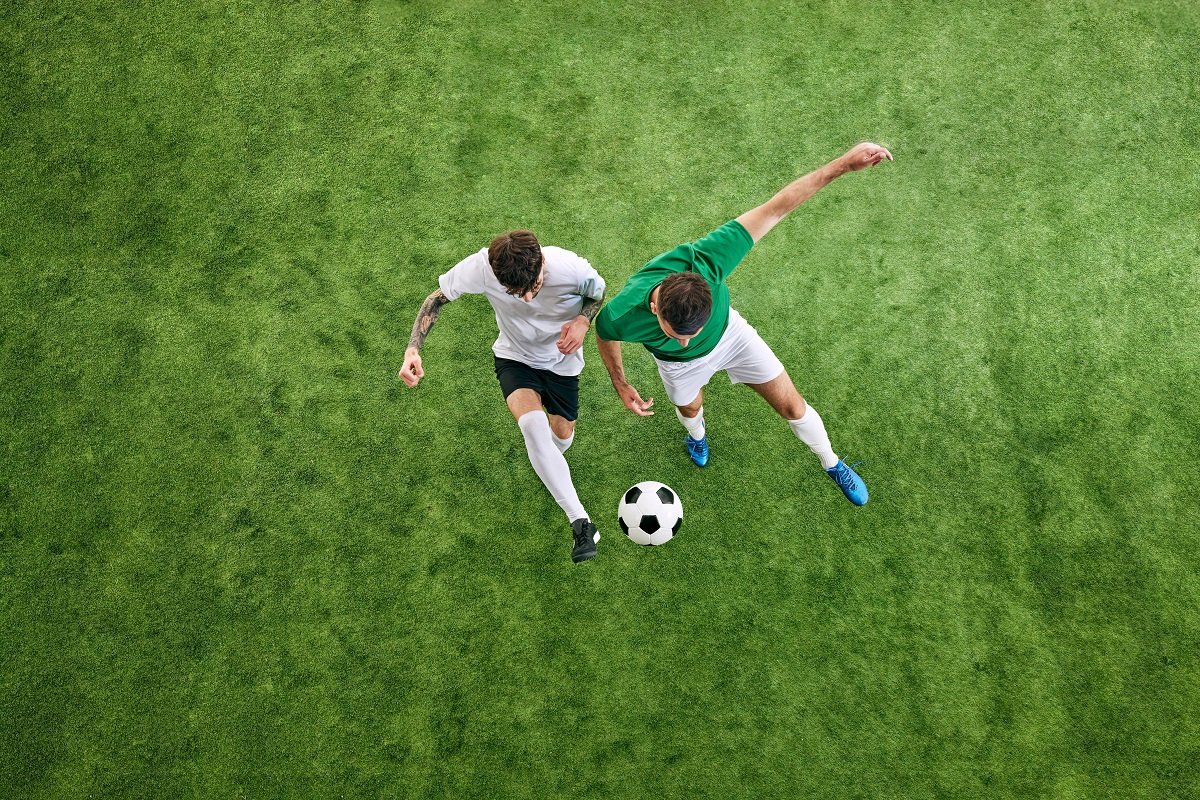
697, 449
849, 482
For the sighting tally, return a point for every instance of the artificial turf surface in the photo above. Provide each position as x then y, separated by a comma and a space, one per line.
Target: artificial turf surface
239, 558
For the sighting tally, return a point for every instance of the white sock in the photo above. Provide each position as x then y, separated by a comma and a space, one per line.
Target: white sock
694, 425
549, 463
811, 430
562, 444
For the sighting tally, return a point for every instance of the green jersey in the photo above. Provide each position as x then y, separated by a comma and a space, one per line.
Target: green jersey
627, 317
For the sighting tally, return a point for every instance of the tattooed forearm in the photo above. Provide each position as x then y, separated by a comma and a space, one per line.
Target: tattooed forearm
591, 308
428, 314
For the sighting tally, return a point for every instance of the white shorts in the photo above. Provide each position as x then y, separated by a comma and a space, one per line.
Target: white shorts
741, 352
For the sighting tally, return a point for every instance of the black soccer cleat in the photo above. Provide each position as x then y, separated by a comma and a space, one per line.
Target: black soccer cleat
586, 536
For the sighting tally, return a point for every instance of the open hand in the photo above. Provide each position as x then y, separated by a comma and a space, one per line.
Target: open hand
633, 401
864, 155
412, 372
572, 335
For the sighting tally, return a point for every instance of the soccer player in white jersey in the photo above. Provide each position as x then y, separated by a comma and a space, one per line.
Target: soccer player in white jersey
545, 299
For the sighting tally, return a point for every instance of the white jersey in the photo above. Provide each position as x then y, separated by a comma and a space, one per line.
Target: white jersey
528, 331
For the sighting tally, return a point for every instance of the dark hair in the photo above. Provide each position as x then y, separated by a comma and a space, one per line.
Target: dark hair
516, 259
685, 302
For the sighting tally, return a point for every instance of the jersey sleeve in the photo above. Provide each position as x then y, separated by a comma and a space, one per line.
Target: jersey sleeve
718, 253
591, 285
465, 277
606, 327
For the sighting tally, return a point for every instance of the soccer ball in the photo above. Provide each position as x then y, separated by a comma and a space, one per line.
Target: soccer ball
650, 513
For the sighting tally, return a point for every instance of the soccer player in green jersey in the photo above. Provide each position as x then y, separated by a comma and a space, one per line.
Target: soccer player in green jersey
677, 306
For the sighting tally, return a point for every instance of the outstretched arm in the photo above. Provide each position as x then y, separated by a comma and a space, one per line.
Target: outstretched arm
757, 221
574, 331
610, 354
412, 372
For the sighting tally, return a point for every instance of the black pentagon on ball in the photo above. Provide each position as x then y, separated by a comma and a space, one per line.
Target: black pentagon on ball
649, 523
624, 527
666, 495
675, 527
633, 494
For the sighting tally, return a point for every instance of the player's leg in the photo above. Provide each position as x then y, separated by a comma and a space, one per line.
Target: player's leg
781, 394
809, 428
691, 415
560, 398
684, 382
548, 462
563, 430
757, 366
525, 403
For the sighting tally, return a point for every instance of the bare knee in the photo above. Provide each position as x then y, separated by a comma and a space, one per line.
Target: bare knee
781, 395
793, 408
522, 401
691, 409
563, 428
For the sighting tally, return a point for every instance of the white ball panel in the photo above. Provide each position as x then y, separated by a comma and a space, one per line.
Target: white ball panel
650, 504
638, 536
662, 536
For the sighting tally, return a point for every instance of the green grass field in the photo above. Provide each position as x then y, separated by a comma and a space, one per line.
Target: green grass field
238, 558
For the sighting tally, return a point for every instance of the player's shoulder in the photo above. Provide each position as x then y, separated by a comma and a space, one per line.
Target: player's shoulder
561, 255
474, 262
633, 295
679, 258
623, 314
472, 275
554, 251
480, 259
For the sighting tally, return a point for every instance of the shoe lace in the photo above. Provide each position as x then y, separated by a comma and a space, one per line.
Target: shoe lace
583, 533
844, 476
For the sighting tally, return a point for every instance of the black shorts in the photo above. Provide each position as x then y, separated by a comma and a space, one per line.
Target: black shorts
559, 393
